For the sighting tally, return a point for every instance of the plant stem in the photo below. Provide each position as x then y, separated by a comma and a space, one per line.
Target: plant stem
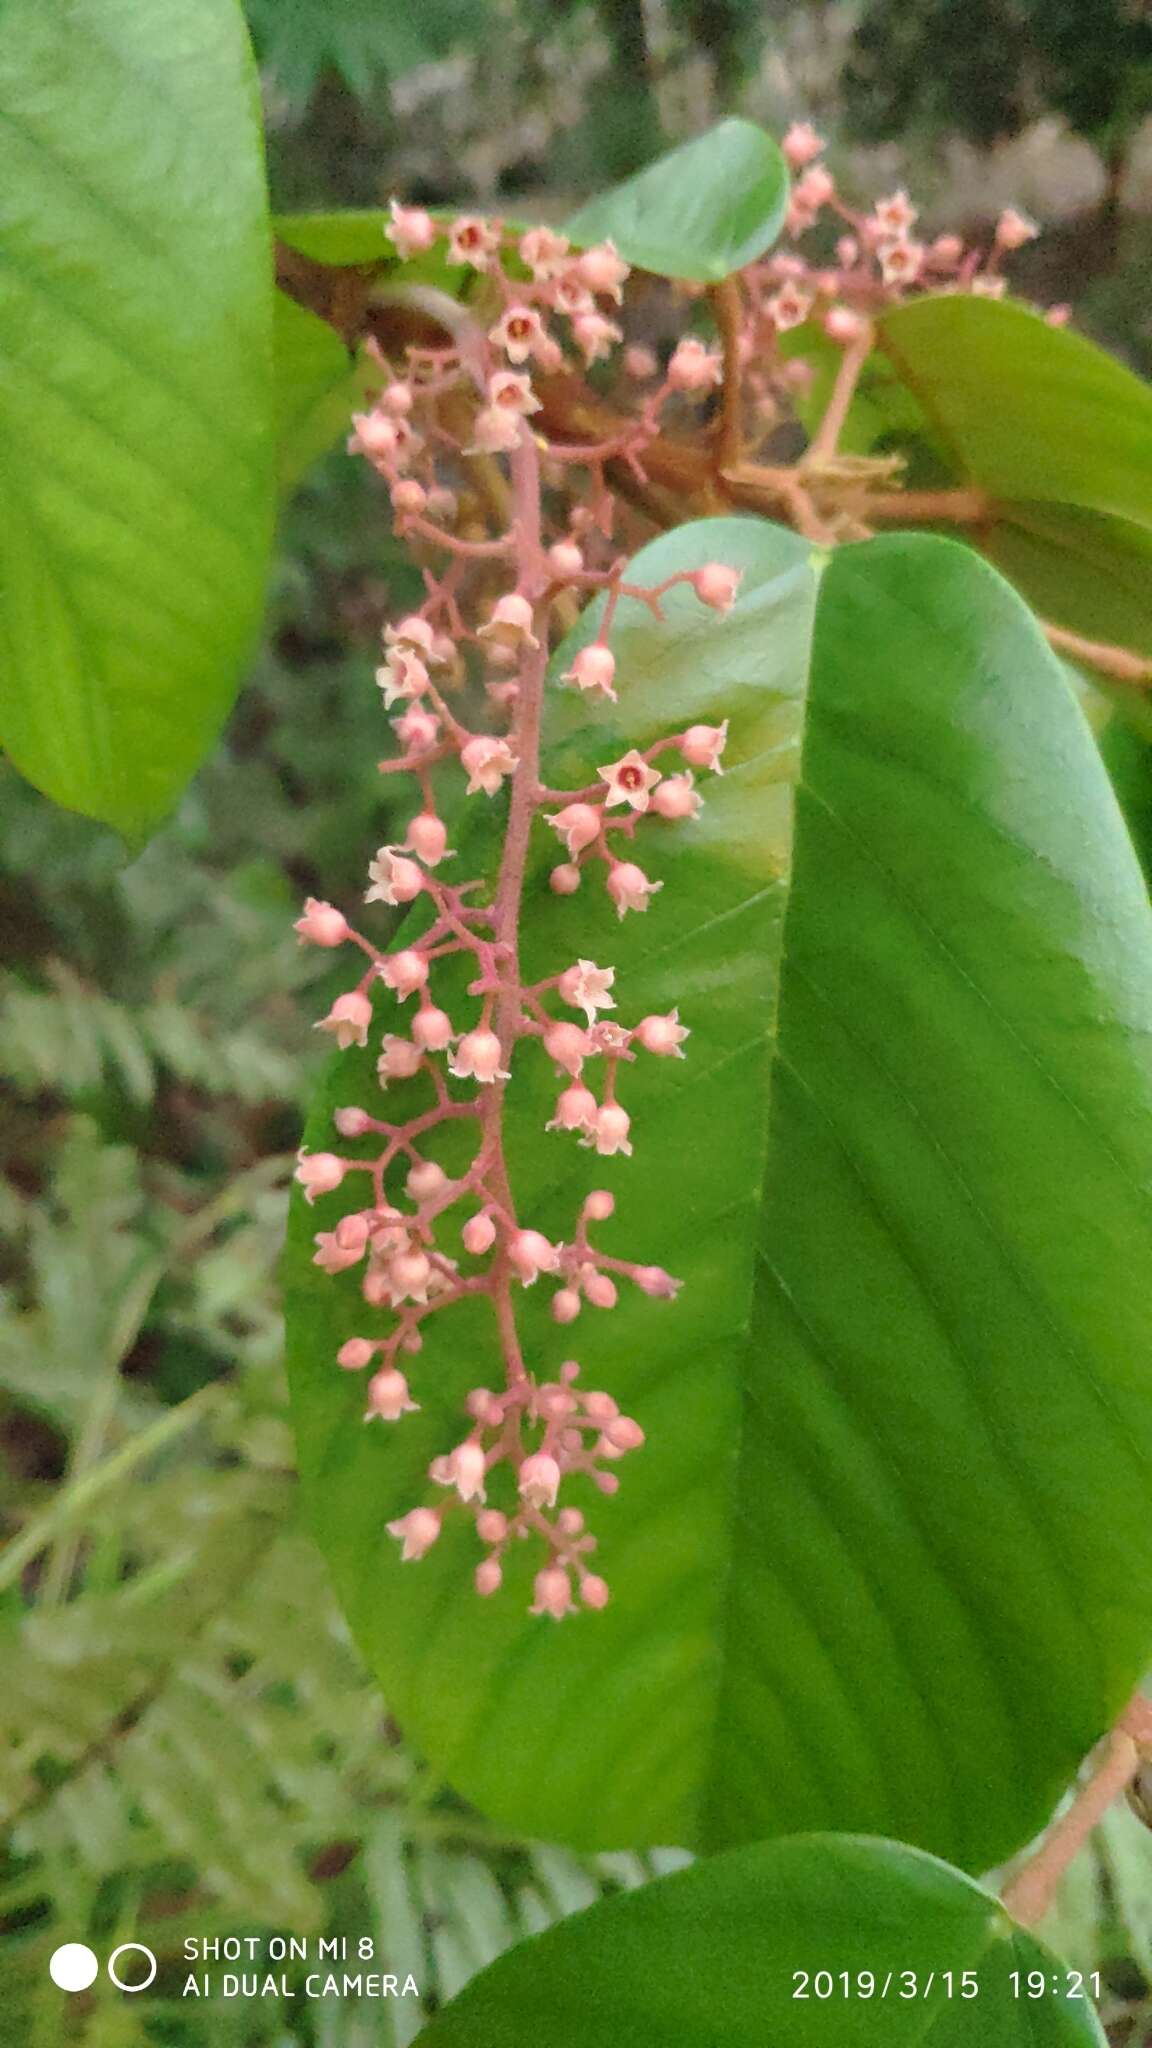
1029, 1893
727, 309
1118, 662
826, 439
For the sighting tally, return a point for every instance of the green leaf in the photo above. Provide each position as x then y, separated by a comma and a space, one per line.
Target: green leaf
700, 212
135, 393
756, 1945
885, 1562
1058, 433
317, 385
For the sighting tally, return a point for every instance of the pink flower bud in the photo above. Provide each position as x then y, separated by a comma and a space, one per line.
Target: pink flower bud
478, 1235
388, 1396
655, 1281
333, 1257
611, 1130
593, 669
478, 1057
352, 1231
432, 1028
488, 1577
425, 1180
404, 972
565, 1305
565, 559
567, 1044
640, 361
352, 1122
716, 585
814, 189
624, 1434
398, 1061
417, 1531
599, 1205
539, 1480
594, 1591
318, 1173
417, 730
629, 887
322, 924
531, 1254
348, 1020
491, 1525
801, 144
600, 1408
600, 1290
575, 1109
843, 326
676, 798
411, 230
946, 252
553, 1593
662, 1034
355, 1354
694, 367
565, 879
602, 269
408, 496
428, 838
1014, 228
702, 745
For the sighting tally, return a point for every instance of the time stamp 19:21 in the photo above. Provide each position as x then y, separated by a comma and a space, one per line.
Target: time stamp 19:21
828, 1985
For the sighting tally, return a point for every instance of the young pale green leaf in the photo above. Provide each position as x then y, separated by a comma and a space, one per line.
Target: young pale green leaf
820, 1938
700, 212
1059, 435
885, 1561
135, 396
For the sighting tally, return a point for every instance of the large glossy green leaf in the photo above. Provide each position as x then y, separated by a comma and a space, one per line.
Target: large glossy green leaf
1059, 434
700, 212
885, 1562
821, 1938
135, 392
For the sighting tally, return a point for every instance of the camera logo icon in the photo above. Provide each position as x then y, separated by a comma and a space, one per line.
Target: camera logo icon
75, 1966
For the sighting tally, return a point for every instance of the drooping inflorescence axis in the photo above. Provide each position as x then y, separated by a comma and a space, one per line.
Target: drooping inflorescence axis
499, 590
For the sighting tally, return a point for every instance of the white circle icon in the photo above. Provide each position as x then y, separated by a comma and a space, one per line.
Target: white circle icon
73, 1967
126, 1948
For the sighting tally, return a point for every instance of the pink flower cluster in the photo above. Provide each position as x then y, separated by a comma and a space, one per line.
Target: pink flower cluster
419, 1237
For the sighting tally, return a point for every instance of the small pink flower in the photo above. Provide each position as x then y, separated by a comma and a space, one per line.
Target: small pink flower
417, 729
702, 746
417, 1531
629, 780
694, 367
603, 270
600, 1289
640, 361
567, 1044
388, 1396
575, 1109
401, 676
426, 1180
814, 189
355, 1354
487, 762
404, 973
611, 1130
374, 435
553, 1593
565, 559
432, 1029
348, 1020
593, 669
569, 293
595, 337
789, 307
594, 1591
1014, 228
544, 252
510, 623
495, 431
411, 230
322, 924
393, 879
352, 1122
511, 391
478, 1057
398, 1061
464, 1468
677, 797
519, 332
565, 879
408, 497
662, 1034
413, 632
531, 1254
488, 1577
894, 216
408, 1275
333, 1257
630, 888
585, 987
901, 262
843, 326
801, 145
472, 240
428, 838
577, 825
539, 1480
716, 584
600, 1205
478, 1235
565, 1305
945, 253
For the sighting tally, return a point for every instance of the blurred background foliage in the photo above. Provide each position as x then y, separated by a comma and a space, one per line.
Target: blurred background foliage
188, 1744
